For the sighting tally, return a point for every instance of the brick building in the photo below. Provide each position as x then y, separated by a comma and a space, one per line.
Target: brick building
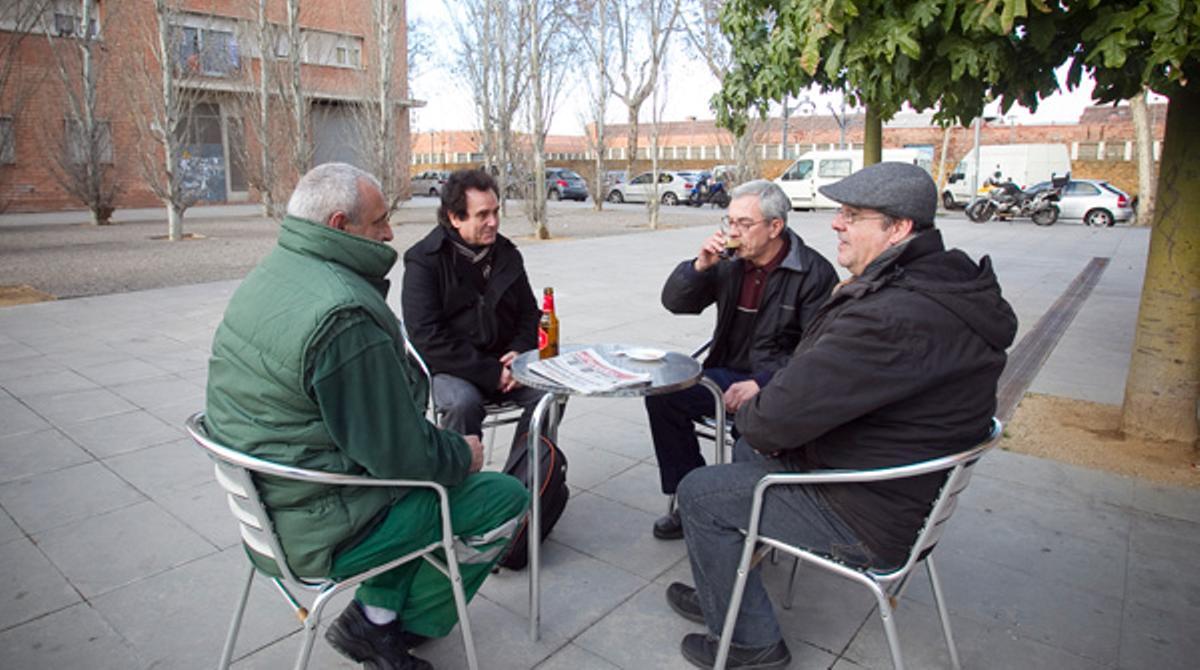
1101, 142
214, 48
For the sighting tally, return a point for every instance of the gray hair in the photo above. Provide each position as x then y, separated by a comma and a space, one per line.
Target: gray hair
772, 201
329, 188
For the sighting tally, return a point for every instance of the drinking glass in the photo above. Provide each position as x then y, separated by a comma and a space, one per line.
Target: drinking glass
731, 243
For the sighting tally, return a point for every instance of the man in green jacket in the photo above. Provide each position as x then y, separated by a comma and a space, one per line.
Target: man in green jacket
308, 369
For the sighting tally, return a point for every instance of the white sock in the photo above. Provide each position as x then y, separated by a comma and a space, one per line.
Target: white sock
379, 615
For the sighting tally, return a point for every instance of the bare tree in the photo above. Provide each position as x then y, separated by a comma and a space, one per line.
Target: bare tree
537, 213
550, 53
375, 115
1147, 172
163, 115
82, 161
702, 28
19, 19
654, 203
264, 176
591, 23
475, 65
641, 55
301, 144
493, 61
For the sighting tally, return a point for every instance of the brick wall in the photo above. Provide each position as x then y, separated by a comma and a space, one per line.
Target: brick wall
129, 76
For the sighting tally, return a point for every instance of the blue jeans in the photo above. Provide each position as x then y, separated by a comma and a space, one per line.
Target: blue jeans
671, 429
715, 502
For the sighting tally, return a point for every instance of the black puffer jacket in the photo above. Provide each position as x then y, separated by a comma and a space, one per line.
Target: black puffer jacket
458, 330
899, 366
794, 292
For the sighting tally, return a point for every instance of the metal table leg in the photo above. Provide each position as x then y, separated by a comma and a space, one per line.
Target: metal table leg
547, 407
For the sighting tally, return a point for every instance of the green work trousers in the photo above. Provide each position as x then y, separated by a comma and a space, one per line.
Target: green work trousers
484, 510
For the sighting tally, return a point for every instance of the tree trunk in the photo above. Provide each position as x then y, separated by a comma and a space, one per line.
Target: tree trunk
1164, 370
174, 223
941, 178
655, 201
1145, 158
872, 137
539, 133
631, 143
265, 154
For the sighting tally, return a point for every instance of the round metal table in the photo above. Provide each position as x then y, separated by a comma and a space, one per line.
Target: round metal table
672, 372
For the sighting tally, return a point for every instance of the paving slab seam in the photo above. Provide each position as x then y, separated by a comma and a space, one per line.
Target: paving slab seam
1028, 356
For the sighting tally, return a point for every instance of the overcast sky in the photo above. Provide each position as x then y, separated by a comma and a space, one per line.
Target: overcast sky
689, 86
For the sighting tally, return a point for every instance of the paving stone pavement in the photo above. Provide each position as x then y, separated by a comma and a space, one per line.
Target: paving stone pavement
116, 550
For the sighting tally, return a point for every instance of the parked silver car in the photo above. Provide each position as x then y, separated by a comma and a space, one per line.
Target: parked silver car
1095, 202
429, 182
672, 188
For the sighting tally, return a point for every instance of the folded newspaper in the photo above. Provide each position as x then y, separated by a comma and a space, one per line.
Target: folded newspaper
585, 371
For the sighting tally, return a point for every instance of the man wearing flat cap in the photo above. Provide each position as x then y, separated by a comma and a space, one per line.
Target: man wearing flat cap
899, 366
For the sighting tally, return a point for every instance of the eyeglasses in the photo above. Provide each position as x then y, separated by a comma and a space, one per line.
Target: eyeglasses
741, 224
852, 217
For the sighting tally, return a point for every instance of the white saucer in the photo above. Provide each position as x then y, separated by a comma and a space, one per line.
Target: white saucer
645, 354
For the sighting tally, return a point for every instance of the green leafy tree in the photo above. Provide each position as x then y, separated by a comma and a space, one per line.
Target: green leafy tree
954, 56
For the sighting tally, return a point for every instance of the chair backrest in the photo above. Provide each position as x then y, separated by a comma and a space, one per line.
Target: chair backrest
233, 472
411, 350
960, 467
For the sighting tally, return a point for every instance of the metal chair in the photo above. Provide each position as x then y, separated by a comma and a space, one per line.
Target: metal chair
496, 414
233, 470
706, 426
886, 585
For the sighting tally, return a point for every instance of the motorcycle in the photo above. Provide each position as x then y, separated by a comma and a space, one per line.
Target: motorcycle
708, 192
1006, 200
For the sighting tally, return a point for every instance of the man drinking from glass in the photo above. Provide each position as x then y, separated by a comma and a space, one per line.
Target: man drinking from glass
767, 285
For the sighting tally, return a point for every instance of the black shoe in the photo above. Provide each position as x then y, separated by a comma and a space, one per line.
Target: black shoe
380, 647
685, 601
669, 527
701, 650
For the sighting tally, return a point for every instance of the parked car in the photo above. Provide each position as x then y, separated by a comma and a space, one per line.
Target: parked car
612, 178
564, 184
1095, 202
672, 188
430, 182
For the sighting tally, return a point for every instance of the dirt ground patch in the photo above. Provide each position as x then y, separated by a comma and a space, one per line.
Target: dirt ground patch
1088, 434
22, 294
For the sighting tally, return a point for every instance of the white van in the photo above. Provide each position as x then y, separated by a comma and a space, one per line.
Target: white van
1025, 164
817, 168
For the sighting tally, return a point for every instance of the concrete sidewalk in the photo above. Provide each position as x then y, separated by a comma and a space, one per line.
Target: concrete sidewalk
117, 551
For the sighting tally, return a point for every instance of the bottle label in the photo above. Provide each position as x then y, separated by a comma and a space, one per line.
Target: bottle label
543, 339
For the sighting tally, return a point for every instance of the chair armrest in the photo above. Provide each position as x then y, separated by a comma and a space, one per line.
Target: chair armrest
879, 474
195, 428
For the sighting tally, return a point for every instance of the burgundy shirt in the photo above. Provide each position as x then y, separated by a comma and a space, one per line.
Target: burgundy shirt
754, 282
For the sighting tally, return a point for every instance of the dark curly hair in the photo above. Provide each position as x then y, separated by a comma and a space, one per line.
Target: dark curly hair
454, 193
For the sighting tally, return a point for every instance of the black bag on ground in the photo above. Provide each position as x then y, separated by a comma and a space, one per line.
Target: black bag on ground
553, 496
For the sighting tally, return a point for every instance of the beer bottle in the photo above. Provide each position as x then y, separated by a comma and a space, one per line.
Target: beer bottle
548, 326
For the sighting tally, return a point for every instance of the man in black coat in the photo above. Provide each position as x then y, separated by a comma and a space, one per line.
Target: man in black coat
765, 296
468, 306
899, 366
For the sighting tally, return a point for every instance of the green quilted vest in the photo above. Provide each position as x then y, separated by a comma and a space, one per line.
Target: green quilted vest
257, 401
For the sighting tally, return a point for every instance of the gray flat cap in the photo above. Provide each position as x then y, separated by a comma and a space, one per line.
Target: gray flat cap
899, 190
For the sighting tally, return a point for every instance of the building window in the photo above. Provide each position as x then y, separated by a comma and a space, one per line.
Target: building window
206, 51
8, 153
78, 141
322, 48
67, 19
